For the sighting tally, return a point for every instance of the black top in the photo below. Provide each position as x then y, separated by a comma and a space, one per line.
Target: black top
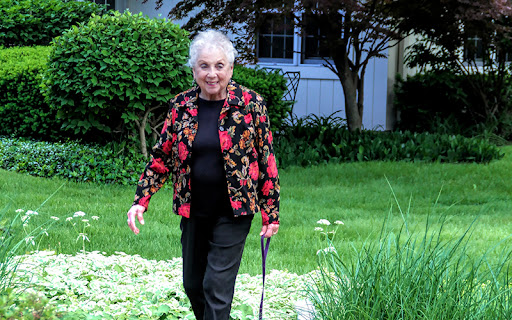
209, 191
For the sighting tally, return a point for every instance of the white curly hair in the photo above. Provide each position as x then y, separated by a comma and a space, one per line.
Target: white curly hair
210, 39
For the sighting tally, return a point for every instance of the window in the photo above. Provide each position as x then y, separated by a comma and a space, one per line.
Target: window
475, 49
277, 38
313, 50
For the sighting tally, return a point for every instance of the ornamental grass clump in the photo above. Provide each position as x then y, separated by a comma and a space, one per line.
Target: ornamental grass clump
414, 276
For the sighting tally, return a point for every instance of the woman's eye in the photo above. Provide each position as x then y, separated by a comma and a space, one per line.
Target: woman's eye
220, 66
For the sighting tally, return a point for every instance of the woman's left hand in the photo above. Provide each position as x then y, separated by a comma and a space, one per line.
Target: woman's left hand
269, 230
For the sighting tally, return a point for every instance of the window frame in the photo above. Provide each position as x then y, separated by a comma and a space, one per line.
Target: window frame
478, 51
111, 4
285, 35
298, 56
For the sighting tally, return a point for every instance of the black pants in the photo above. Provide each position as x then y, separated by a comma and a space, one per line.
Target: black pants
212, 250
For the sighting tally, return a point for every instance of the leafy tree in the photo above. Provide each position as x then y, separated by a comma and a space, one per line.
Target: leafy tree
472, 38
352, 31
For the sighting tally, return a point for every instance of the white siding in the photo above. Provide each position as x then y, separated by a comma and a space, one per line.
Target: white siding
320, 92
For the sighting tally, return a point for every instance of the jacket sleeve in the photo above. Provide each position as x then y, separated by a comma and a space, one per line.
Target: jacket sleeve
159, 167
268, 182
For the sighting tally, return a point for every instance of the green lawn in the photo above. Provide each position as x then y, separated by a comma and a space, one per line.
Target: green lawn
355, 193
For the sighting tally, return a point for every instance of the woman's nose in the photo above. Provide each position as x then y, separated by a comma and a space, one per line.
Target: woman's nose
211, 73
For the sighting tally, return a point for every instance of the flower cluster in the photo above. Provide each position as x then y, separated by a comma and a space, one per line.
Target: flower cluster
81, 225
328, 234
27, 216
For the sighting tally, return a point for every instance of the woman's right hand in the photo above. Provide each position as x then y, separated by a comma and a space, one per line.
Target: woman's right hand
135, 211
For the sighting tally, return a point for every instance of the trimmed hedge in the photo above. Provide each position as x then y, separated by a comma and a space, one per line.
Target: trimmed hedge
272, 86
22, 106
37, 22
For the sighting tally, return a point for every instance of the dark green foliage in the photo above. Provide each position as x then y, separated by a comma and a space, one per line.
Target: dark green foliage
71, 161
22, 107
314, 140
309, 141
116, 74
272, 86
37, 22
444, 102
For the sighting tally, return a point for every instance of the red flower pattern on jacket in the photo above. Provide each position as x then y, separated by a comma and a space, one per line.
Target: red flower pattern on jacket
225, 141
246, 144
158, 166
184, 210
183, 152
254, 170
272, 166
267, 187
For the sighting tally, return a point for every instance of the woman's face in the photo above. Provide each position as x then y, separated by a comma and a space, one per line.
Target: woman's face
212, 73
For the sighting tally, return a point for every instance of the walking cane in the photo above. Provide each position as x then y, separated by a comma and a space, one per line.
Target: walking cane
264, 251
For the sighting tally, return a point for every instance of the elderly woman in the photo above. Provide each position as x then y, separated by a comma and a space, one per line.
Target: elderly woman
217, 146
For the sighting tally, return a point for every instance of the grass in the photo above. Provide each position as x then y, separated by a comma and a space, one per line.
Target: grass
356, 193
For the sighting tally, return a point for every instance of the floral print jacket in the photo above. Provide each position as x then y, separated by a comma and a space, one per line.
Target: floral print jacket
246, 144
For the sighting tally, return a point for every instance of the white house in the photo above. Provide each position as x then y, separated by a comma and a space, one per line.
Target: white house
319, 90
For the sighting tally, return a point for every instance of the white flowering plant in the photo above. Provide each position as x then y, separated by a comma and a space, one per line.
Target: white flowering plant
80, 223
328, 230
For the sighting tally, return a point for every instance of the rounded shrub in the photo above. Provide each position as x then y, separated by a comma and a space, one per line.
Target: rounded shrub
37, 22
22, 107
116, 74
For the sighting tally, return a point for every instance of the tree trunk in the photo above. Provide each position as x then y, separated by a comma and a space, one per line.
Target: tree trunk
142, 138
142, 133
353, 104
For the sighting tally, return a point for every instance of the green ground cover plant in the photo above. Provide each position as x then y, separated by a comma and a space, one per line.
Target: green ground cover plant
17, 238
311, 141
72, 160
121, 286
